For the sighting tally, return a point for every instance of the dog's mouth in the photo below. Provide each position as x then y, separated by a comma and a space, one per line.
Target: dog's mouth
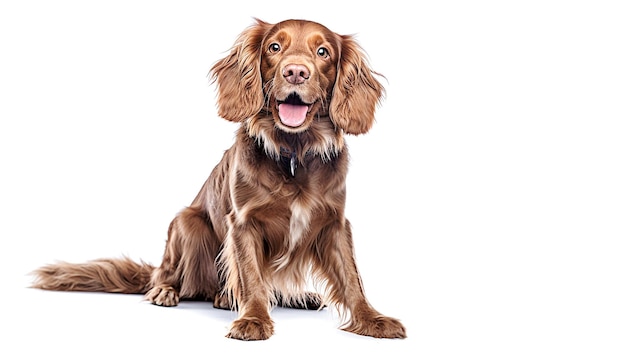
293, 111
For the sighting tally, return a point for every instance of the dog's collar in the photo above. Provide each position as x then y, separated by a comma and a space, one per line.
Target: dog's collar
288, 156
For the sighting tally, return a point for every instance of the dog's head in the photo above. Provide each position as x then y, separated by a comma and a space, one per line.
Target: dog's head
297, 71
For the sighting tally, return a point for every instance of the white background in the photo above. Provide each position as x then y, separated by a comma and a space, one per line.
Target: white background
488, 202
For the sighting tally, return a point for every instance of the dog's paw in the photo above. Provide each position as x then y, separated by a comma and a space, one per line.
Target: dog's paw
222, 302
379, 326
163, 296
251, 328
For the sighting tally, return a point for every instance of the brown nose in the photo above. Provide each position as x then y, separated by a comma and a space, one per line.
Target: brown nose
296, 73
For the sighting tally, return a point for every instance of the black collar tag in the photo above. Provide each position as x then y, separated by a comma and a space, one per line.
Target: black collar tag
290, 156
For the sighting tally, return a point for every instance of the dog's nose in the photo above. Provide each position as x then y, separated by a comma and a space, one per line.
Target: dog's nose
296, 73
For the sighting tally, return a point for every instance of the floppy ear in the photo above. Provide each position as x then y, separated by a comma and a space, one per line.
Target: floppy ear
238, 76
357, 92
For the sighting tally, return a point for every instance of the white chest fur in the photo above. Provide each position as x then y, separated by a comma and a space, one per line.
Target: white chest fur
298, 226
299, 222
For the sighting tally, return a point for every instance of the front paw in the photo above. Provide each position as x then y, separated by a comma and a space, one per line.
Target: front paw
378, 326
163, 296
251, 328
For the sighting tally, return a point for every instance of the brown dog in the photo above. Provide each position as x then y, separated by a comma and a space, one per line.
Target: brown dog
271, 214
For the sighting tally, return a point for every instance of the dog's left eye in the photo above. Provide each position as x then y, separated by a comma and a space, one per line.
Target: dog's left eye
323, 52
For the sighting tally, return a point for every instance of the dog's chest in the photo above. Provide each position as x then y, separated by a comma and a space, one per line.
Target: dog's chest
299, 224
299, 221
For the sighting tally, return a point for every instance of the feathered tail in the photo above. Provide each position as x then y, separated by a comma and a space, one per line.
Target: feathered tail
121, 275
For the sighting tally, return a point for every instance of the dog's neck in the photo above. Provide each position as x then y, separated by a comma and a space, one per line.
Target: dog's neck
293, 150
289, 156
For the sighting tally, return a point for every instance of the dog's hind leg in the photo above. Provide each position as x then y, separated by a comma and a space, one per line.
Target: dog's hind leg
188, 266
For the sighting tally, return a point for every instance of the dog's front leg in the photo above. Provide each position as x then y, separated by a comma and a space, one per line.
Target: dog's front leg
337, 263
242, 259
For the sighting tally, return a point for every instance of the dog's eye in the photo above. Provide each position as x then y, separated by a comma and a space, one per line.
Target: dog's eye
274, 48
323, 52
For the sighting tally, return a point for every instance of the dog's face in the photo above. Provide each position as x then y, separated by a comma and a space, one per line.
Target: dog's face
298, 70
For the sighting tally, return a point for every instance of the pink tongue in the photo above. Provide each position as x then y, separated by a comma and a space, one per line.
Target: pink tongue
292, 115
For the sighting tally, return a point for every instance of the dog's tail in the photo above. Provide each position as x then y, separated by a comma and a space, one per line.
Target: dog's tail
121, 275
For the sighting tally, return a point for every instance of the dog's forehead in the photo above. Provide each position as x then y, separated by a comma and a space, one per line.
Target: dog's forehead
301, 30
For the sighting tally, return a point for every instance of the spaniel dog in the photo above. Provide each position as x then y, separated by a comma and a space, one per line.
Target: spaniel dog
270, 218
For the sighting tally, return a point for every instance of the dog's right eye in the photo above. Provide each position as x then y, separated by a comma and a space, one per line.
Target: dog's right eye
274, 48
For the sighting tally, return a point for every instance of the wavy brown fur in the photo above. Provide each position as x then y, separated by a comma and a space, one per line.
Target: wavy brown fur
271, 214
102, 275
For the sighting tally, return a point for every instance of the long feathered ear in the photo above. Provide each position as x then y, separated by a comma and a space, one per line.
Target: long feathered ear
238, 76
357, 92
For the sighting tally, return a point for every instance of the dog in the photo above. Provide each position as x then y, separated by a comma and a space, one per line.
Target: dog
270, 217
